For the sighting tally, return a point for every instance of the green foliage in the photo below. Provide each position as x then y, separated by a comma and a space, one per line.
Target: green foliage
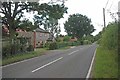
27, 25
66, 38
106, 63
10, 50
58, 39
65, 44
53, 45
6, 51
49, 17
87, 42
16, 47
46, 45
30, 48
110, 37
23, 56
89, 38
98, 36
78, 25
56, 45
14, 11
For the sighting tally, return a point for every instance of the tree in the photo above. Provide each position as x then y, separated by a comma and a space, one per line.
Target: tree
50, 17
13, 12
78, 25
98, 36
26, 25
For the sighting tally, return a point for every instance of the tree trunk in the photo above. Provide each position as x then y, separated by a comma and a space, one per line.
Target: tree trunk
11, 36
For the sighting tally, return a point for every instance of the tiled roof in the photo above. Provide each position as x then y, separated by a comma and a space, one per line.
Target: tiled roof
41, 30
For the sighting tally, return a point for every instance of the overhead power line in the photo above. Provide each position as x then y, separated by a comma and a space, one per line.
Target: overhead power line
106, 4
111, 4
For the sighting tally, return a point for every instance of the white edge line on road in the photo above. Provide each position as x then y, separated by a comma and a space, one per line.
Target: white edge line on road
19, 62
73, 52
47, 64
88, 74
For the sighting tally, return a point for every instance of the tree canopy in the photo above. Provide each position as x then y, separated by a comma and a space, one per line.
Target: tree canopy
13, 12
50, 17
26, 25
78, 25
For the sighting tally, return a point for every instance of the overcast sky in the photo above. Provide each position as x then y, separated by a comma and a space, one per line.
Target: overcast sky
93, 9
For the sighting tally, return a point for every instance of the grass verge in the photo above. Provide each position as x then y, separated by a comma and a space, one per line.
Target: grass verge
64, 48
20, 57
106, 64
23, 56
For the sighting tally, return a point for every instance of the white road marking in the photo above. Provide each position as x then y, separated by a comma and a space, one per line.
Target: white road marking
88, 74
47, 64
73, 52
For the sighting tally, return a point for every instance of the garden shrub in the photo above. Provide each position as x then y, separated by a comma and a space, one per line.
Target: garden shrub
46, 45
6, 51
66, 38
53, 46
30, 48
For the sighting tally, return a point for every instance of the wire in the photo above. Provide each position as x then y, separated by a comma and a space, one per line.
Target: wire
106, 4
111, 5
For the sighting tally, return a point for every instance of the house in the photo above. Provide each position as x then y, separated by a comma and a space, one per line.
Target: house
36, 37
73, 39
40, 36
5, 31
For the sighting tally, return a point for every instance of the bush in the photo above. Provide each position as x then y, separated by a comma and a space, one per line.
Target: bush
58, 40
87, 42
81, 42
30, 48
110, 36
46, 45
10, 50
66, 38
6, 51
53, 46
15, 48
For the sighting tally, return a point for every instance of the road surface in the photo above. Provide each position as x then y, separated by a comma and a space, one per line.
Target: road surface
70, 63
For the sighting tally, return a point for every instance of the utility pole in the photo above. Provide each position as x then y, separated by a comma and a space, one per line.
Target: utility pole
119, 11
118, 27
104, 17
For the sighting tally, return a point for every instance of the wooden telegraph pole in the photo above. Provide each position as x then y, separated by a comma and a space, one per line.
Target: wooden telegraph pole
104, 17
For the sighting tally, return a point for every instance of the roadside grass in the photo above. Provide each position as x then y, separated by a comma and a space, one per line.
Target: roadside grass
23, 56
64, 48
106, 64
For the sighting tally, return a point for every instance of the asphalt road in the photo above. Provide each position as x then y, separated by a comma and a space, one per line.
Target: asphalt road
70, 63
